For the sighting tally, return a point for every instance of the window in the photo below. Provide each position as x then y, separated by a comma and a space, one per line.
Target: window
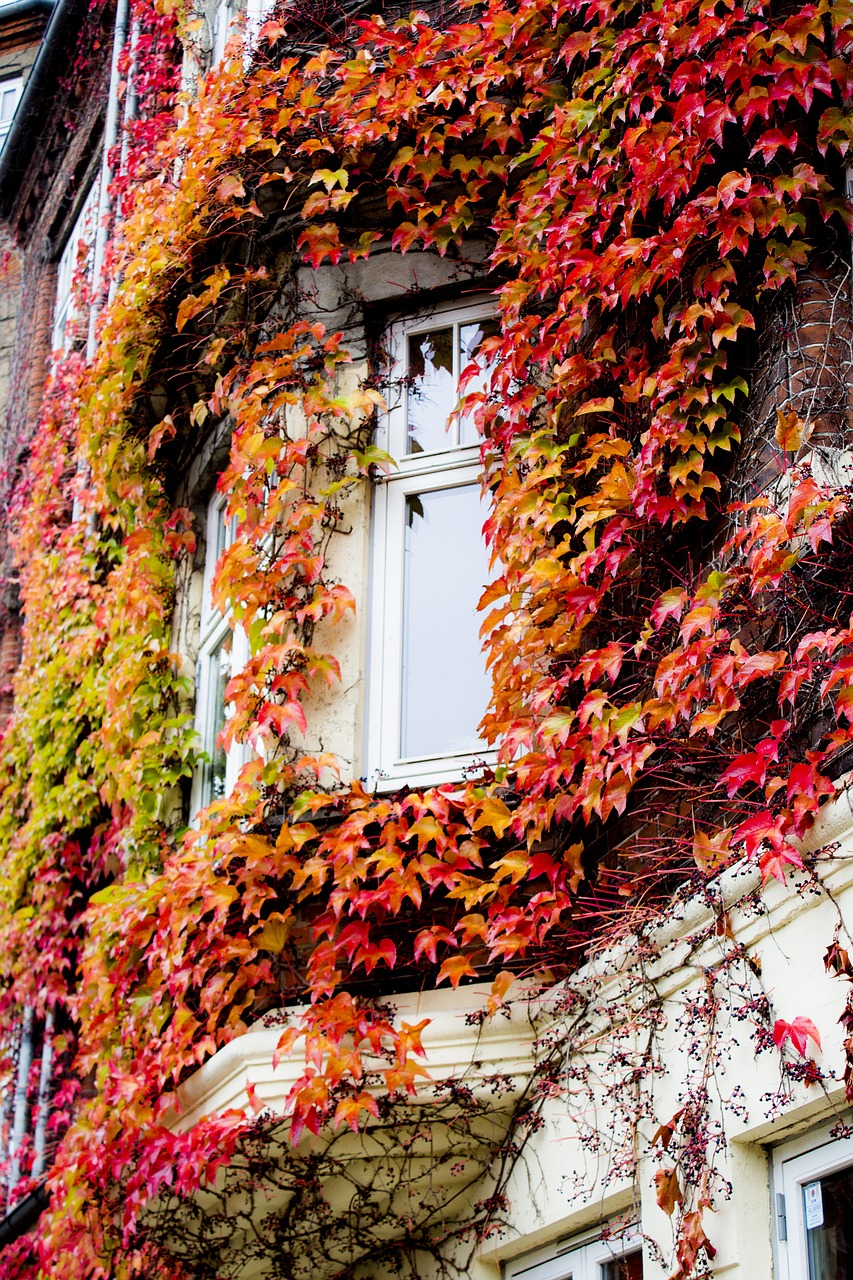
226, 21
428, 687
619, 1258
74, 272
10, 93
223, 652
813, 1185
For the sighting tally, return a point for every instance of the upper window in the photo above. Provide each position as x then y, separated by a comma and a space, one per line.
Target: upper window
223, 652
226, 21
74, 272
813, 1182
428, 685
619, 1258
10, 93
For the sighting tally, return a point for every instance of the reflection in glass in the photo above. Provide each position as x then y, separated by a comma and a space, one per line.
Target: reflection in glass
445, 684
628, 1267
431, 391
220, 661
470, 338
830, 1240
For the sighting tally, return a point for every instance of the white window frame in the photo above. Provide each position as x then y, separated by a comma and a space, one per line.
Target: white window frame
11, 82
795, 1164
83, 232
444, 468
582, 1258
225, 21
213, 629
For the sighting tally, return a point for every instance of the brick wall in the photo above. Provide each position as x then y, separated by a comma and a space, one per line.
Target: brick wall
62, 160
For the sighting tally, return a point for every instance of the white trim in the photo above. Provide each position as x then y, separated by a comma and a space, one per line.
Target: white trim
582, 1258
455, 466
213, 630
226, 21
71, 273
15, 84
805, 1159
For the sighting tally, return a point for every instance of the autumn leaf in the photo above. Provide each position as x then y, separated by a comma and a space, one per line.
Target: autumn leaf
454, 969
669, 605
230, 188
348, 1110
493, 814
497, 995
711, 852
275, 934
799, 1032
668, 1191
790, 429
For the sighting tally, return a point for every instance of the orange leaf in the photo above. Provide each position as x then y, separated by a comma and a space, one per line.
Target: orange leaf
790, 429
456, 968
668, 1190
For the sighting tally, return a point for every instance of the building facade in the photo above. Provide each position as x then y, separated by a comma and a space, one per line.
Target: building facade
270, 364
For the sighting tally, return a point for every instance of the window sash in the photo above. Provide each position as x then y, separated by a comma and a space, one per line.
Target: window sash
424, 473
83, 233
10, 95
214, 628
584, 1260
226, 21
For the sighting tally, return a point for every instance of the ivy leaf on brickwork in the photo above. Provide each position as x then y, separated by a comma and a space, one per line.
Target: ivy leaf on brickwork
231, 188
711, 852
790, 429
669, 605
493, 814
454, 969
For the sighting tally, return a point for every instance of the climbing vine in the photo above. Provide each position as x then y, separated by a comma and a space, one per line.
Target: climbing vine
668, 624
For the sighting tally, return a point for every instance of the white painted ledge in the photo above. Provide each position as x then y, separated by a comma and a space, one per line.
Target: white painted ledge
504, 1044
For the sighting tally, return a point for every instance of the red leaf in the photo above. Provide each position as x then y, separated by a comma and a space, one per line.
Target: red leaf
798, 1032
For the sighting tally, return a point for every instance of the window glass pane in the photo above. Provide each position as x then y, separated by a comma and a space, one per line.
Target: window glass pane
74, 270
628, 1267
8, 102
828, 1207
220, 674
445, 684
470, 338
430, 391
221, 535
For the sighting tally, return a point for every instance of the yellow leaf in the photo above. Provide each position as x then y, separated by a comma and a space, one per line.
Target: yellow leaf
790, 429
274, 935
515, 865
231, 188
604, 404
456, 968
493, 813
711, 852
500, 987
